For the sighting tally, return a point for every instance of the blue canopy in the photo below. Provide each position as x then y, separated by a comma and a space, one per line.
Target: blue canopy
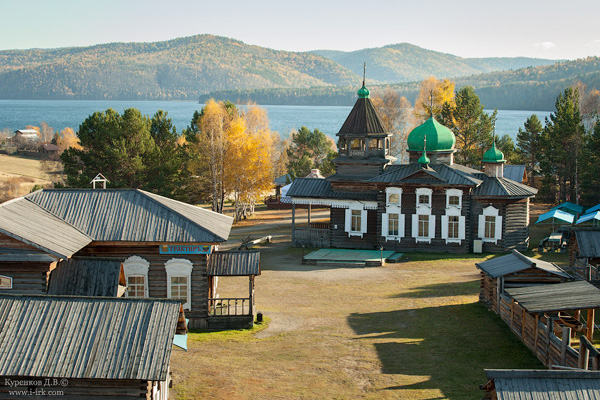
558, 214
569, 207
592, 209
589, 217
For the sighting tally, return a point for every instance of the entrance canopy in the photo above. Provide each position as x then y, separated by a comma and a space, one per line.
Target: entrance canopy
234, 263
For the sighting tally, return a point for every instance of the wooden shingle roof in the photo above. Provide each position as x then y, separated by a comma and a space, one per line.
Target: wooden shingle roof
515, 262
363, 120
233, 263
545, 384
96, 277
321, 188
86, 337
588, 242
577, 295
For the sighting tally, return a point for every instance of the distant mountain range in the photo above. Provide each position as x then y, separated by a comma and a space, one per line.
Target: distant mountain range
203, 66
404, 62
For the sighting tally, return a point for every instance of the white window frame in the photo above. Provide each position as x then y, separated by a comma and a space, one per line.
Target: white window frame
10, 280
490, 211
392, 208
356, 206
136, 266
393, 190
180, 267
423, 192
454, 192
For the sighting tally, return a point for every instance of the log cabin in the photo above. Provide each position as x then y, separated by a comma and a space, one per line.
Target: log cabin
63, 346
584, 252
515, 270
164, 247
429, 204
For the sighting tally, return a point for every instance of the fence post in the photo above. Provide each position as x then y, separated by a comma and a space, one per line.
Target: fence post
565, 343
582, 361
550, 328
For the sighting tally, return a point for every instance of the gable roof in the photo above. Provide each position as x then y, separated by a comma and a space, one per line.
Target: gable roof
575, 295
86, 337
588, 242
444, 174
85, 277
514, 172
545, 384
27, 222
363, 119
502, 187
321, 188
515, 262
132, 215
233, 263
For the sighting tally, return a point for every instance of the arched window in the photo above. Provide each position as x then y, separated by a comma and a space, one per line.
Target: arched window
179, 280
490, 225
5, 282
135, 269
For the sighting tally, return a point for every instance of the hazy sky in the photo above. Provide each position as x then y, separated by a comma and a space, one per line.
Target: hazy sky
468, 28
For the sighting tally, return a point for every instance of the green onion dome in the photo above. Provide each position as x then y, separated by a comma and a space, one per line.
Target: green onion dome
439, 137
363, 92
493, 155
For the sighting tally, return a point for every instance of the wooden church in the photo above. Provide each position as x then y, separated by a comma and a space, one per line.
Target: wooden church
429, 204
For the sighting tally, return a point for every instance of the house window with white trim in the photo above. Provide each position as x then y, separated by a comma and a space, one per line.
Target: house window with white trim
393, 198
356, 220
490, 225
5, 282
423, 226
179, 278
393, 224
136, 269
424, 197
453, 225
453, 198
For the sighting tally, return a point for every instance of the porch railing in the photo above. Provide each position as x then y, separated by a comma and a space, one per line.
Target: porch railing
312, 237
228, 306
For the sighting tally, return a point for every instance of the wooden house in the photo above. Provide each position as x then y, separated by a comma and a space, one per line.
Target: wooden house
86, 347
164, 245
48, 149
584, 252
541, 385
429, 204
515, 270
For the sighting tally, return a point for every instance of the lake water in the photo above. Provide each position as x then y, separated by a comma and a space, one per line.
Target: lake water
16, 114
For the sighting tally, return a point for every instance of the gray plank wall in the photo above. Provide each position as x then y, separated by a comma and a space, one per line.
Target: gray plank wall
515, 227
157, 275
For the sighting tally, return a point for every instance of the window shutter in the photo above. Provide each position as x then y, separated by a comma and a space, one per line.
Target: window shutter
363, 221
461, 227
432, 226
401, 225
348, 223
415, 225
498, 233
384, 224
481, 231
444, 227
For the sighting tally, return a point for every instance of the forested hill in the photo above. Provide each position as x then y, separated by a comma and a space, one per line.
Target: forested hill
534, 88
404, 62
183, 68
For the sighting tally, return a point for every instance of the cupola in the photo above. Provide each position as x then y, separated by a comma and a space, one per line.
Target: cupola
493, 162
440, 142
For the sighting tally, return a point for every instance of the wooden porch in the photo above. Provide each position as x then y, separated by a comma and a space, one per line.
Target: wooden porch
310, 234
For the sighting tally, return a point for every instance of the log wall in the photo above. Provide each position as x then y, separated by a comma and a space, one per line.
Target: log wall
27, 277
157, 275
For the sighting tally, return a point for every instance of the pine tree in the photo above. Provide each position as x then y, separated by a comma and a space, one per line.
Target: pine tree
528, 146
590, 167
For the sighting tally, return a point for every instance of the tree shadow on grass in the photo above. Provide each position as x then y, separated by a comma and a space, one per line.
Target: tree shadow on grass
441, 290
445, 347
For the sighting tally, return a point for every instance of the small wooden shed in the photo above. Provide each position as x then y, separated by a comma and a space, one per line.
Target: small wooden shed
541, 385
584, 252
515, 270
85, 347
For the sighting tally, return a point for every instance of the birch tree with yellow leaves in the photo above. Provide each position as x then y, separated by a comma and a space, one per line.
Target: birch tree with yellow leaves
433, 94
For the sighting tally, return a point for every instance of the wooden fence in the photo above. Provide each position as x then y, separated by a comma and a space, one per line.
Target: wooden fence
583, 270
317, 235
535, 333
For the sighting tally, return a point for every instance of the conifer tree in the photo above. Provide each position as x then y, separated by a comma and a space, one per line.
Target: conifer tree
528, 146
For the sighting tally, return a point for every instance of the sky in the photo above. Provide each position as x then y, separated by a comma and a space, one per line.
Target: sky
468, 28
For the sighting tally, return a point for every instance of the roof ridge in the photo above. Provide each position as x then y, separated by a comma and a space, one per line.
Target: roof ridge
99, 298
524, 258
57, 217
149, 195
